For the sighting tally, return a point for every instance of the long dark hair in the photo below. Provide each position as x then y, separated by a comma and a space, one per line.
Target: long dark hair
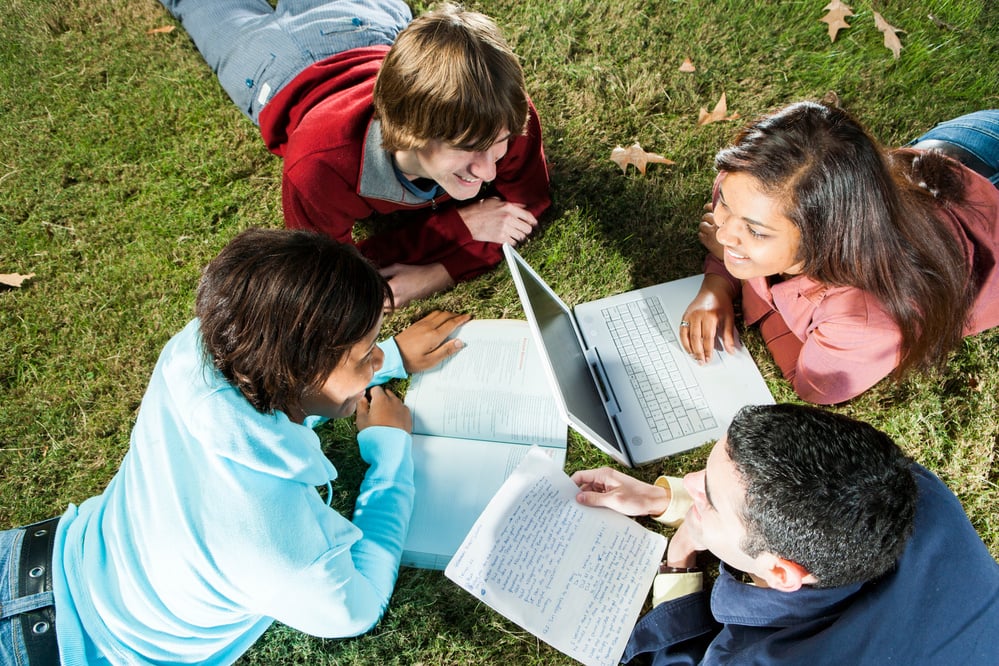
867, 219
278, 310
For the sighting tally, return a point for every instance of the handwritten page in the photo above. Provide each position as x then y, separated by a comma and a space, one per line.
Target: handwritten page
576, 577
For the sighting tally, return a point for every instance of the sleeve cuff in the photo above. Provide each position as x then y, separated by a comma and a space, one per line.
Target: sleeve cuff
679, 501
386, 447
669, 586
392, 366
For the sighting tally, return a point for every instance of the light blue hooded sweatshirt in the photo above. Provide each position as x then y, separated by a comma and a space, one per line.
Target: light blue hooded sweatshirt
213, 528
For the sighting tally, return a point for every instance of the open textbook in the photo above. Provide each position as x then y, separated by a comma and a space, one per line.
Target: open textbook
574, 576
475, 416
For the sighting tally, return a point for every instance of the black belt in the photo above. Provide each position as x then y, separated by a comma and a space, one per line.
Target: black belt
959, 153
34, 577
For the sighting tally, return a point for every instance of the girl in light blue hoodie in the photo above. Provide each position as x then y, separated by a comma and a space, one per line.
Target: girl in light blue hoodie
212, 528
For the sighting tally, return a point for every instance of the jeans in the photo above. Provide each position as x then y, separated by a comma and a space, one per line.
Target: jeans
255, 50
977, 133
12, 648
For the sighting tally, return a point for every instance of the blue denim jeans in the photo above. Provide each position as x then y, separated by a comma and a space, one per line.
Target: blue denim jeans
255, 50
12, 649
977, 132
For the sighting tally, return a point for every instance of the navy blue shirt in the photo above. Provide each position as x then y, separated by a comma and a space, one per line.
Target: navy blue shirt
940, 605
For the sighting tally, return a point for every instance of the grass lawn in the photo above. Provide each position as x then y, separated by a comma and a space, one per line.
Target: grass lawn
124, 168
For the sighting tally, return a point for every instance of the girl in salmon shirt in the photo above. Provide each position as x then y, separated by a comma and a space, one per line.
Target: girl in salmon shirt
856, 262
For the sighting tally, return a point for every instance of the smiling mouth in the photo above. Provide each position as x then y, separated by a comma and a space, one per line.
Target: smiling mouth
467, 181
734, 255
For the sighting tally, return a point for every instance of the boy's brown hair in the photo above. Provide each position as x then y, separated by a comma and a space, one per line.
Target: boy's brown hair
450, 76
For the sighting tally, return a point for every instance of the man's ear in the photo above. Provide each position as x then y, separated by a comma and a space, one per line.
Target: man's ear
785, 575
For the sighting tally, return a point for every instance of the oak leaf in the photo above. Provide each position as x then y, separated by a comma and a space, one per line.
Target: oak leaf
892, 42
836, 18
717, 115
635, 155
161, 30
687, 66
14, 279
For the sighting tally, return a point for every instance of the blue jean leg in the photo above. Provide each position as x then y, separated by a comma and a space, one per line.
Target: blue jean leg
977, 132
12, 650
256, 50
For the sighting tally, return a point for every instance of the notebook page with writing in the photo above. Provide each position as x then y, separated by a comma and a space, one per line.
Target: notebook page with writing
574, 576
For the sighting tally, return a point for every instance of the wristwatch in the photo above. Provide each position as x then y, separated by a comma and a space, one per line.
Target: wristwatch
665, 568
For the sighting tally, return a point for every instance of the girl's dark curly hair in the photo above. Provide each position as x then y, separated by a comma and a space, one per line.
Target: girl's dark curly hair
278, 310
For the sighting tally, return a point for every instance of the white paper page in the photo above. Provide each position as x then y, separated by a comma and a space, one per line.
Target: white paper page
494, 389
455, 479
576, 577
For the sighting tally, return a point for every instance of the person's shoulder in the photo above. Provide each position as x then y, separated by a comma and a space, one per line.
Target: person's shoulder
846, 304
327, 100
183, 353
934, 492
942, 531
804, 296
344, 69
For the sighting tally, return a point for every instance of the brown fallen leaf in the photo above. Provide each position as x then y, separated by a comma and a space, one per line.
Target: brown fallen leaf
717, 115
687, 66
892, 42
161, 30
635, 155
14, 279
836, 18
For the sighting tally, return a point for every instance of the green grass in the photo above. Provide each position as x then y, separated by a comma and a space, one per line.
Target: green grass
124, 168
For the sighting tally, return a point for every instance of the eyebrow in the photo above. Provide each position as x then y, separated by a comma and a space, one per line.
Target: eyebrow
374, 343
707, 492
748, 220
470, 147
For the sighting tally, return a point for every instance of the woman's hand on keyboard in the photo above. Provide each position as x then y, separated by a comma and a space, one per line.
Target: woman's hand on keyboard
710, 313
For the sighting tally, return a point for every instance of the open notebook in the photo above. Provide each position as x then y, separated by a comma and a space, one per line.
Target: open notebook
475, 417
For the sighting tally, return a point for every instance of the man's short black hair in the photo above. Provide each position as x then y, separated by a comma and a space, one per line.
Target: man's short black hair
825, 491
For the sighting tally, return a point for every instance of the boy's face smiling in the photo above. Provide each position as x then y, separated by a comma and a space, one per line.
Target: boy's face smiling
459, 170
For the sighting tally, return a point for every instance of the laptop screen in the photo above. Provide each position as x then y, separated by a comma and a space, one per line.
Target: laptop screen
560, 345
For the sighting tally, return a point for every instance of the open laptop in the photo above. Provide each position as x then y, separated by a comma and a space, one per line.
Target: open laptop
620, 376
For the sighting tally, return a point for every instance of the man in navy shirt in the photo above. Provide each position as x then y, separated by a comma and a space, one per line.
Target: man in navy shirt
835, 548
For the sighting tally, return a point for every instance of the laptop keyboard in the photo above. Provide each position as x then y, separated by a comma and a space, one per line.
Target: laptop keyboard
667, 391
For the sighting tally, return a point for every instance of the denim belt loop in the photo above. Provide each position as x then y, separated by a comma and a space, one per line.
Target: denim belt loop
34, 578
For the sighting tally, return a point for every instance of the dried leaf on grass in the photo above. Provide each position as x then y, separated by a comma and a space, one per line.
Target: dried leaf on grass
892, 42
717, 115
14, 279
836, 18
636, 156
687, 66
161, 30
